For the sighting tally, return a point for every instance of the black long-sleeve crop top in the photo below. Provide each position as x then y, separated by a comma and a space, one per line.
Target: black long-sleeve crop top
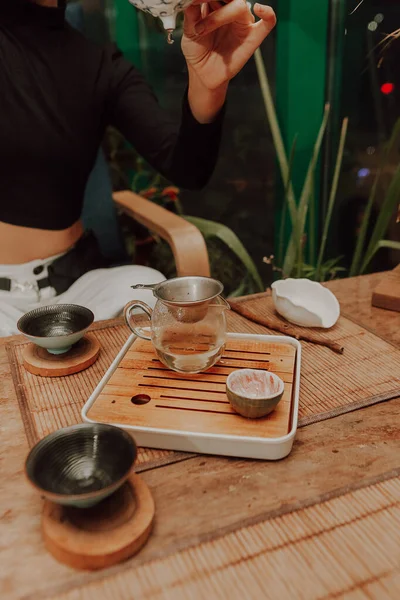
58, 93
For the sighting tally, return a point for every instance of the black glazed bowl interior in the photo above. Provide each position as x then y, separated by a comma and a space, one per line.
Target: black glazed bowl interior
56, 320
81, 465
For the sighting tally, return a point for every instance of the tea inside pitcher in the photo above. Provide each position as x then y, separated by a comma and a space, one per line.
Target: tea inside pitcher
189, 352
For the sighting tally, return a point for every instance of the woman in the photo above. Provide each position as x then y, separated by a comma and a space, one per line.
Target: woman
59, 92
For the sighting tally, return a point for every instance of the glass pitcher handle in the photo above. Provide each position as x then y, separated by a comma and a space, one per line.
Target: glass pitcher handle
129, 318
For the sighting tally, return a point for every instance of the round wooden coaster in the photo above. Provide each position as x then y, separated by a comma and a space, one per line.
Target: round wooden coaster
40, 362
101, 536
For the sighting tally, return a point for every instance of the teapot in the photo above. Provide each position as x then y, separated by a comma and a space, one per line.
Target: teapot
166, 10
187, 324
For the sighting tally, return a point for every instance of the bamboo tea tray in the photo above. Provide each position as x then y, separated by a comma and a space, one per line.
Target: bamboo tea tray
173, 411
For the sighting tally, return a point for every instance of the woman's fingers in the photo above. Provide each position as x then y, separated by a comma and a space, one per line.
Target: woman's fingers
202, 18
265, 13
264, 26
236, 10
192, 16
215, 5
205, 10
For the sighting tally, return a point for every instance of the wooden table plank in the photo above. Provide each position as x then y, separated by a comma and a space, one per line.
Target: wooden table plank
204, 498
327, 458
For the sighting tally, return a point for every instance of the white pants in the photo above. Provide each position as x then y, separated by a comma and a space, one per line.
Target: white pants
104, 291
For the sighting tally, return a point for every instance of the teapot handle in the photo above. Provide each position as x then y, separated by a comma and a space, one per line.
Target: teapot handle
129, 318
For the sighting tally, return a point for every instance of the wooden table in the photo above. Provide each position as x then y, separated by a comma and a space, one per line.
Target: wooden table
222, 525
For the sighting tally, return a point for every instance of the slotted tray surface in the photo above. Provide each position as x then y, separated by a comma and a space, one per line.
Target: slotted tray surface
194, 403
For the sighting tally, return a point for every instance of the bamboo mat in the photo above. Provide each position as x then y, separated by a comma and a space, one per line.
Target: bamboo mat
47, 404
367, 373
345, 547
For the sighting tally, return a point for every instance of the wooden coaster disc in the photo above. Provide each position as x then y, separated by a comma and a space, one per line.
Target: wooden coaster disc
101, 536
40, 362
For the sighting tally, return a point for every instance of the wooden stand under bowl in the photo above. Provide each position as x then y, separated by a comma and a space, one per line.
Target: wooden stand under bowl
82, 355
103, 535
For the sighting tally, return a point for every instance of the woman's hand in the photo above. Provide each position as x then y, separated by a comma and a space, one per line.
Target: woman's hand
218, 40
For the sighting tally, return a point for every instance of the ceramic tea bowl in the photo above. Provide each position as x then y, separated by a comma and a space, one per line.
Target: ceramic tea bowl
56, 327
254, 393
81, 465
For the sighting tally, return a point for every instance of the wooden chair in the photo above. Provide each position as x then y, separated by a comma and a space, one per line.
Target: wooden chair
100, 211
186, 241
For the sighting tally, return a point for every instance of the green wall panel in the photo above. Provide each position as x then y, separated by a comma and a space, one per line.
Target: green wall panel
300, 83
127, 31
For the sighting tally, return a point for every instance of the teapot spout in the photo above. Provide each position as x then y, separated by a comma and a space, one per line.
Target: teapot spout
169, 23
225, 303
222, 303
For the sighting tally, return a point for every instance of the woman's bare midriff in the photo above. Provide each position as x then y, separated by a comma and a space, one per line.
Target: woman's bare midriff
23, 244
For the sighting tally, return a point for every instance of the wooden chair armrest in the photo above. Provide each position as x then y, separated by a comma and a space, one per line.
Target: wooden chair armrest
187, 243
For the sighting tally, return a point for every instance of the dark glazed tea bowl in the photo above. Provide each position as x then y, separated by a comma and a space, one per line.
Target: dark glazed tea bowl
56, 327
81, 465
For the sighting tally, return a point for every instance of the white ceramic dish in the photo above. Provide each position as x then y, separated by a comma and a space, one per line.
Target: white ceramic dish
305, 303
206, 443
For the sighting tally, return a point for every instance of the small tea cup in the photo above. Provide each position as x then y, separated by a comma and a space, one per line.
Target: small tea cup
254, 393
56, 327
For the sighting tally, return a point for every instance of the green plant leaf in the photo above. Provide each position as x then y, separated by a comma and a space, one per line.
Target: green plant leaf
329, 264
328, 269
355, 263
298, 231
229, 238
386, 212
357, 256
276, 133
241, 290
288, 183
332, 196
311, 224
386, 244
389, 244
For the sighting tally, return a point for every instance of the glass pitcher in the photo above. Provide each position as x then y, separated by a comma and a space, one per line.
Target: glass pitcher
188, 325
